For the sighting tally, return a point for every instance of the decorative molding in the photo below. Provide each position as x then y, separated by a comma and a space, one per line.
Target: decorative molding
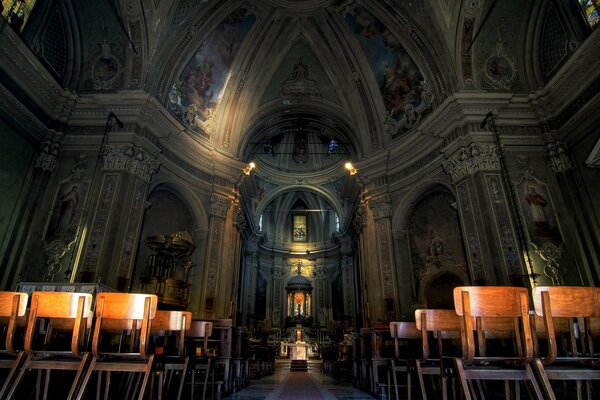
49, 149
299, 85
470, 228
132, 159
136, 213
102, 215
472, 159
381, 206
559, 161
214, 258
219, 206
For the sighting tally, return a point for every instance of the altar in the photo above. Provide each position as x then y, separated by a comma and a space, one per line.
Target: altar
298, 350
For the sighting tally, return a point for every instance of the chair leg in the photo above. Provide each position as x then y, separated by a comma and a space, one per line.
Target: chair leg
11, 374
182, 378
146, 376
15, 385
86, 379
460, 372
538, 368
533, 381
421, 379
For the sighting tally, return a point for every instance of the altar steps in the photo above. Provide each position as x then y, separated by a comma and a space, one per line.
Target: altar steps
299, 365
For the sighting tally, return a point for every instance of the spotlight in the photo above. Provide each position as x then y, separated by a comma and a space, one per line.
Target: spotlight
249, 168
350, 168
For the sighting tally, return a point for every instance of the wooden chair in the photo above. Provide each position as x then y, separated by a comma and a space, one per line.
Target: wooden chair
13, 307
489, 313
120, 342
167, 325
567, 312
442, 326
407, 333
62, 320
197, 347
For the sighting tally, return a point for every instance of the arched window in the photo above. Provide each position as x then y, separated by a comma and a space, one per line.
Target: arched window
17, 12
590, 10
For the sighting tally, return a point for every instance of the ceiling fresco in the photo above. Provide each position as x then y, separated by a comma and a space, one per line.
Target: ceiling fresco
195, 96
402, 85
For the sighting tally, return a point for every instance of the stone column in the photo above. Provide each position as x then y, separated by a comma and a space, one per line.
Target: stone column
248, 297
362, 288
484, 206
279, 297
320, 304
116, 206
381, 206
222, 258
404, 275
18, 240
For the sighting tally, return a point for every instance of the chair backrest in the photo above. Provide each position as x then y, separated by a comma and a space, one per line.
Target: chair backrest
490, 306
444, 324
178, 322
401, 330
13, 306
563, 308
66, 311
199, 330
116, 311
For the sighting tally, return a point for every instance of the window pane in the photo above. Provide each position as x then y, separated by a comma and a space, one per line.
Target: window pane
299, 230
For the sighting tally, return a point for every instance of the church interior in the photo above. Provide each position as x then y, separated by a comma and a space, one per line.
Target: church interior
298, 182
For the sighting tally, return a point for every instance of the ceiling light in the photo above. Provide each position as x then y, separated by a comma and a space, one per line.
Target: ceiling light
249, 168
350, 168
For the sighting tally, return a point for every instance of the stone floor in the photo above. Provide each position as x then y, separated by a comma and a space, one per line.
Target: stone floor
287, 385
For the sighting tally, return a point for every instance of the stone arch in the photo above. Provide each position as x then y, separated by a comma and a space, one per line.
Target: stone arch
436, 289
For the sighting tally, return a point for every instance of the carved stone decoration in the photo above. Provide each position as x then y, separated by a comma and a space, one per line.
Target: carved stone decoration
499, 69
131, 232
105, 67
551, 254
300, 85
55, 251
214, 257
384, 234
472, 244
219, 206
49, 150
381, 206
130, 158
559, 161
472, 159
360, 219
239, 218
502, 216
96, 238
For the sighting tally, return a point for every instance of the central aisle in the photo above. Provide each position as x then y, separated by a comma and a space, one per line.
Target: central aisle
296, 385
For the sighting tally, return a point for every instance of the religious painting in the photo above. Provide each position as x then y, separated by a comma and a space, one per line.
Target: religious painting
195, 96
538, 211
400, 81
299, 231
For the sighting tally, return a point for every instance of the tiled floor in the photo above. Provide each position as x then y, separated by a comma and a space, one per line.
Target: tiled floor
311, 385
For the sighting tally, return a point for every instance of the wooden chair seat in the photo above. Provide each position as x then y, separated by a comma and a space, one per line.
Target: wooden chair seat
500, 313
120, 342
569, 354
13, 306
55, 338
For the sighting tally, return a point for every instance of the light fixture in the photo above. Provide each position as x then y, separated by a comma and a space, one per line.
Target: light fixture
350, 168
249, 168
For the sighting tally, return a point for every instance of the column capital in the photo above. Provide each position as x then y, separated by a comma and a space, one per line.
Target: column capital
557, 155
381, 206
470, 159
219, 205
130, 158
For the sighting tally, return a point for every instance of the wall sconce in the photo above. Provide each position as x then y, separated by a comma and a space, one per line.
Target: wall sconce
350, 168
249, 168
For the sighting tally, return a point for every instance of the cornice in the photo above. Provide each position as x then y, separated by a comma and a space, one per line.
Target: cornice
22, 67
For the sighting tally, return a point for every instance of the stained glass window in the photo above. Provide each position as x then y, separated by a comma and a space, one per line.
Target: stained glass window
590, 10
17, 12
299, 228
